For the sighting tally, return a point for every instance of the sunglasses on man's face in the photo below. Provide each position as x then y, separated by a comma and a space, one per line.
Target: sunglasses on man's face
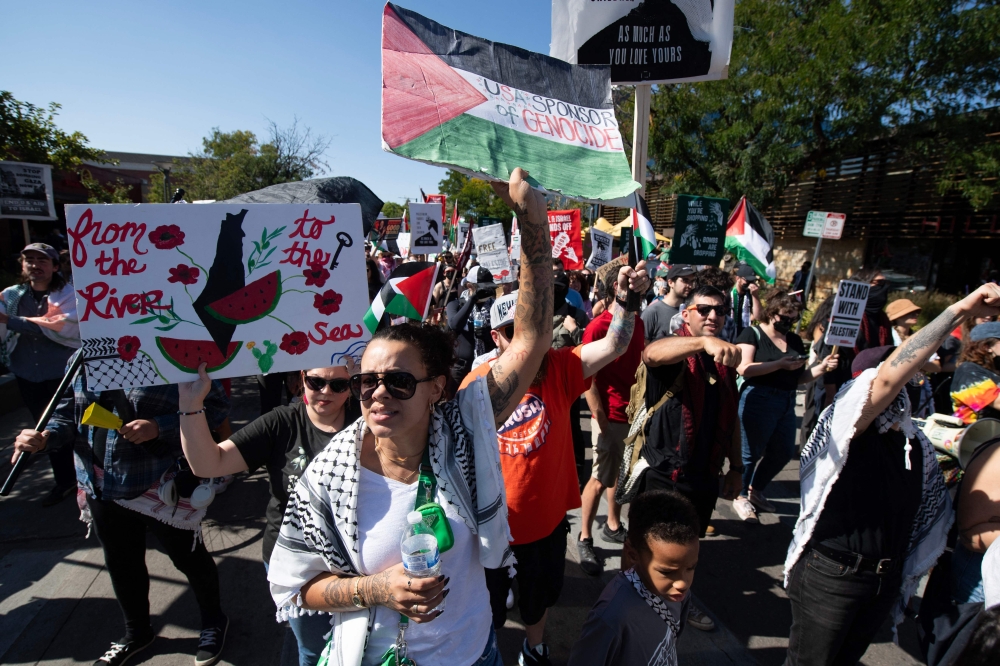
338, 385
507, 331
400, 385
704, 310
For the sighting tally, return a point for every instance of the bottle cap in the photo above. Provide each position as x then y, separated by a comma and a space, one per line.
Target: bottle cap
414, 517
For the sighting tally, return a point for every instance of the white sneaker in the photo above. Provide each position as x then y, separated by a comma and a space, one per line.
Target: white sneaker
759, 500
744, 509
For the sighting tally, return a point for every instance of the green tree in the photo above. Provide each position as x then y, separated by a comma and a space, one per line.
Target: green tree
475, 197
28, 133
116, 192
233, 163
393, 209
811, 83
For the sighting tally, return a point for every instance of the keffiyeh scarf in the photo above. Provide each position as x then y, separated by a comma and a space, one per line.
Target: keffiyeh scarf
319, 533
59, 323
823, 458
666, 651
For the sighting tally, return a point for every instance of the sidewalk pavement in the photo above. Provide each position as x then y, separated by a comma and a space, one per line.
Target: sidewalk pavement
57, 606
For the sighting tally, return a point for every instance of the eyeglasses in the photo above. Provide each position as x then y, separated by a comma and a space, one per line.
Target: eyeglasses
400, 385
507, 331
704, 310
338, 385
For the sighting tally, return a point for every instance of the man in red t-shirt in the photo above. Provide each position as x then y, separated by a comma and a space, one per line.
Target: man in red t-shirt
608, 397
536, 456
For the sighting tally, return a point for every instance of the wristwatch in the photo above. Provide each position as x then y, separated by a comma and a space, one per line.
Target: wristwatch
356, 597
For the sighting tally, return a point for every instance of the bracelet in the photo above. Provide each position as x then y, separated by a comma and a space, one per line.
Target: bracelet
200, 411
357, 599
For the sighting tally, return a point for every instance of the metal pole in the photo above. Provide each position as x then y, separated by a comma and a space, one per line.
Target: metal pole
640, 135
22, 460
809, 280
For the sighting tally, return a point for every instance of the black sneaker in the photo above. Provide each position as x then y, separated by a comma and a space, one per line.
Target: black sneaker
123, 650
588, 558
210, 645
57, 495
614, 536
537, 657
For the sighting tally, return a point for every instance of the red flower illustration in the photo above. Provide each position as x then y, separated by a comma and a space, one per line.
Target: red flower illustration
294, 343
316, 275
166, 237
128, 347
184, 274
328, 302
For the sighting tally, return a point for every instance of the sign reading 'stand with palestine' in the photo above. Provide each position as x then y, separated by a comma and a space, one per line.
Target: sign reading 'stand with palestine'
483, 108
848, 310
646, 41
699, 230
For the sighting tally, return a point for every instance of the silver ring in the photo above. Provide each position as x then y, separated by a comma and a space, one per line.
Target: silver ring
413, 609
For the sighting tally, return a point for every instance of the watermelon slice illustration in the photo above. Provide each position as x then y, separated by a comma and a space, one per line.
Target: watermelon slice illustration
187, 355
250, 303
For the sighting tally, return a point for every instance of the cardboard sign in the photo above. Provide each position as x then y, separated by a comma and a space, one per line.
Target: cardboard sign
463, 228
491, 248
403, 244
699, 230
26, 191
564, 229
482, 108
246, 288
848, 310
515, 246
646, 41
425, 227
600, 248
820, 224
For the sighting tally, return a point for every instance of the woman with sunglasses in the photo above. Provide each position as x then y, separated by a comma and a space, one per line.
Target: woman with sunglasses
338, 550
772, 368
284, 440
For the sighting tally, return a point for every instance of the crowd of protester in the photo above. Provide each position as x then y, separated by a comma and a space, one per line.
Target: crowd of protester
479, 410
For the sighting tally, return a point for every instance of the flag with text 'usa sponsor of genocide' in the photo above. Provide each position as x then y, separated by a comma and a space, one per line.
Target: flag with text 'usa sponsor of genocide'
484, 108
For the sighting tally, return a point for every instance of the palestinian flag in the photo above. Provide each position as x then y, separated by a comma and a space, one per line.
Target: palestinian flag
483, 108
642, 228
750, 238
407, 293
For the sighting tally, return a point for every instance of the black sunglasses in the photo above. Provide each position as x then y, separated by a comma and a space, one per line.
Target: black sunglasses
703, 310
507, 331
338, 385
400, 385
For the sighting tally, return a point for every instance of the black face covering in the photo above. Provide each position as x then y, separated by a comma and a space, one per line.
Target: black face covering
783, 325
559, 296
877, 298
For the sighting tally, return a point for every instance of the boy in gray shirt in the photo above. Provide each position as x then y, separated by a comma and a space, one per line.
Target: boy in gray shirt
638, 618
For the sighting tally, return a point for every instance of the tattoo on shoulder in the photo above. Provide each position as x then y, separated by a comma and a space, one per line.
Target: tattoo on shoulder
502, 385
929, 335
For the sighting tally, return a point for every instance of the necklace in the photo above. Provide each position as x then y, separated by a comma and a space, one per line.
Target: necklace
405, 480
393, 459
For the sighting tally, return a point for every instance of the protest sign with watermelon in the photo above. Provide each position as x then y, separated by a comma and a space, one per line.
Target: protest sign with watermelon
244, 288
484, 108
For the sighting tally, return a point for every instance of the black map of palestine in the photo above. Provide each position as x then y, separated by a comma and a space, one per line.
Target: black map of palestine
653, 42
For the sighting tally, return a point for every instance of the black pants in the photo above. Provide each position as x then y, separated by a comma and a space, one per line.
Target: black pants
122, 533
703, 498
835, 611
36, 397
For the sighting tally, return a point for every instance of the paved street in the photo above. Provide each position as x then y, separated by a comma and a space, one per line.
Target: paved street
57, 606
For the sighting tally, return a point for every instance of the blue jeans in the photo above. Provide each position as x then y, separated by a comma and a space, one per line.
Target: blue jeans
491, 655
310, 634
966, 576
767, 417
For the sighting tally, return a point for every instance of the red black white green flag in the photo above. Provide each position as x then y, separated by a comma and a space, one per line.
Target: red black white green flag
484, 108
407, 293
750, 238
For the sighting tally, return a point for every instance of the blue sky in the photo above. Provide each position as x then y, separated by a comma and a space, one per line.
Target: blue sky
155, 77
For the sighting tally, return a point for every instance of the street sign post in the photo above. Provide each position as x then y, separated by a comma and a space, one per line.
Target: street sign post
820, 225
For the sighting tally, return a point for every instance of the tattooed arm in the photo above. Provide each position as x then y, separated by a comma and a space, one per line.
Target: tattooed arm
391, 588
597, 354
512, 373
914, 352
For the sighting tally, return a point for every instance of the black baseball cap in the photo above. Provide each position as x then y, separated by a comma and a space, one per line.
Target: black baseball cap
746, 272
680, 270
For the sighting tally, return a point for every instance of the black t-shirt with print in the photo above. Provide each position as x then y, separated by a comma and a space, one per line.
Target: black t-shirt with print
784, 380
284, 441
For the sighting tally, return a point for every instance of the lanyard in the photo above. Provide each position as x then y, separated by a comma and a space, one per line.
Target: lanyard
426, 489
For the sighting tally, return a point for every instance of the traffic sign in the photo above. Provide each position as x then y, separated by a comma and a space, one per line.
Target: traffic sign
820, 224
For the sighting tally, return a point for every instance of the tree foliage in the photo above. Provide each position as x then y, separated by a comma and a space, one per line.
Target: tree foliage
232, 163
105, 193
475, 197
28, 133
811, 83
393, 210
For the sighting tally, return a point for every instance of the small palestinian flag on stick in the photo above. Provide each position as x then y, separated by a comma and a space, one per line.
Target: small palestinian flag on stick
407, 293
750, 238
642, 228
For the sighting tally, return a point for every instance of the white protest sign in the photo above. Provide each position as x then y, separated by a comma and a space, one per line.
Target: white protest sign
463, 228
26, 191
600, 248
848, 310
246, 288
820, 224
425, 228
491, 248
403, 243
515, 246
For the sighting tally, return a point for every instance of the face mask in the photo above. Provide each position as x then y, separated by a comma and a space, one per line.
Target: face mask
559, 297
784, 324
877, 298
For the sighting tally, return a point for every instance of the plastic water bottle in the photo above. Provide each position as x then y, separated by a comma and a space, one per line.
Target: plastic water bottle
419, 548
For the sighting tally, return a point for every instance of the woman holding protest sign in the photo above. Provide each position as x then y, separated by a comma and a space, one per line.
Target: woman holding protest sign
338, 551
284, 440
